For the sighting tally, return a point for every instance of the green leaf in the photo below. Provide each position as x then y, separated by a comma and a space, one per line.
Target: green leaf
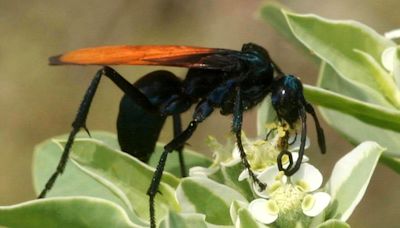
108, 138
100, 170
217, 176
350, 178
265, 115
125, 176
330, 80
187, 220
172, 166
183, 221
396, 67
73, 181
241, 217
103, 172
335, 41
272, 13
202, 195
333, 223
367, 112
247, 220
353, 129
383, 79
393, 163
234, 209
65, 212
231, 174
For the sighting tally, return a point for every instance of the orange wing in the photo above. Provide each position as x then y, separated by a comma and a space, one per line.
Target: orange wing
165, 55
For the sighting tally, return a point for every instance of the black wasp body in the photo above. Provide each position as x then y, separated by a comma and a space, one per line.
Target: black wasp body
209, 89
229, 81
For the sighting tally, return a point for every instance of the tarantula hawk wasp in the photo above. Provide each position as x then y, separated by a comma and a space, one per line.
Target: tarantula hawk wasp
228, 80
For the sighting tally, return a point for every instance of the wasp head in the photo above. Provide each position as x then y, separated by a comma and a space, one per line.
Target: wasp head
287, 98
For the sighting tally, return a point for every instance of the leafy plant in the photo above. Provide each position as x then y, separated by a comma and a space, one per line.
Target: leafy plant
358, 96
103, 187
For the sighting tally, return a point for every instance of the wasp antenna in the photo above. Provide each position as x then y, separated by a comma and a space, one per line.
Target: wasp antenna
320, 131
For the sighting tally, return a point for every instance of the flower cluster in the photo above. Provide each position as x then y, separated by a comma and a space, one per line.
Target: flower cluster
289, 200
286, 200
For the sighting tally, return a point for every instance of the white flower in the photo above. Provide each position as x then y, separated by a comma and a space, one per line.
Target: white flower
288, 200
263, 154
260, 153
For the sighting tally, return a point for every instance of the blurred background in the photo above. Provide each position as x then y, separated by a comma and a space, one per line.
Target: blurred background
38, 101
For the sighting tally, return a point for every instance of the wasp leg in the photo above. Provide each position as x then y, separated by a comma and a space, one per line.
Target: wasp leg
177, 122
81, 116
202, 111
237, 130
303, 117
155, 182
279, 160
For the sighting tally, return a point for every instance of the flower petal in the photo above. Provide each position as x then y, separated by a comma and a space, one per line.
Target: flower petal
268, 176
264, 211
236, 152
314, 204
308, 178
272, 177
